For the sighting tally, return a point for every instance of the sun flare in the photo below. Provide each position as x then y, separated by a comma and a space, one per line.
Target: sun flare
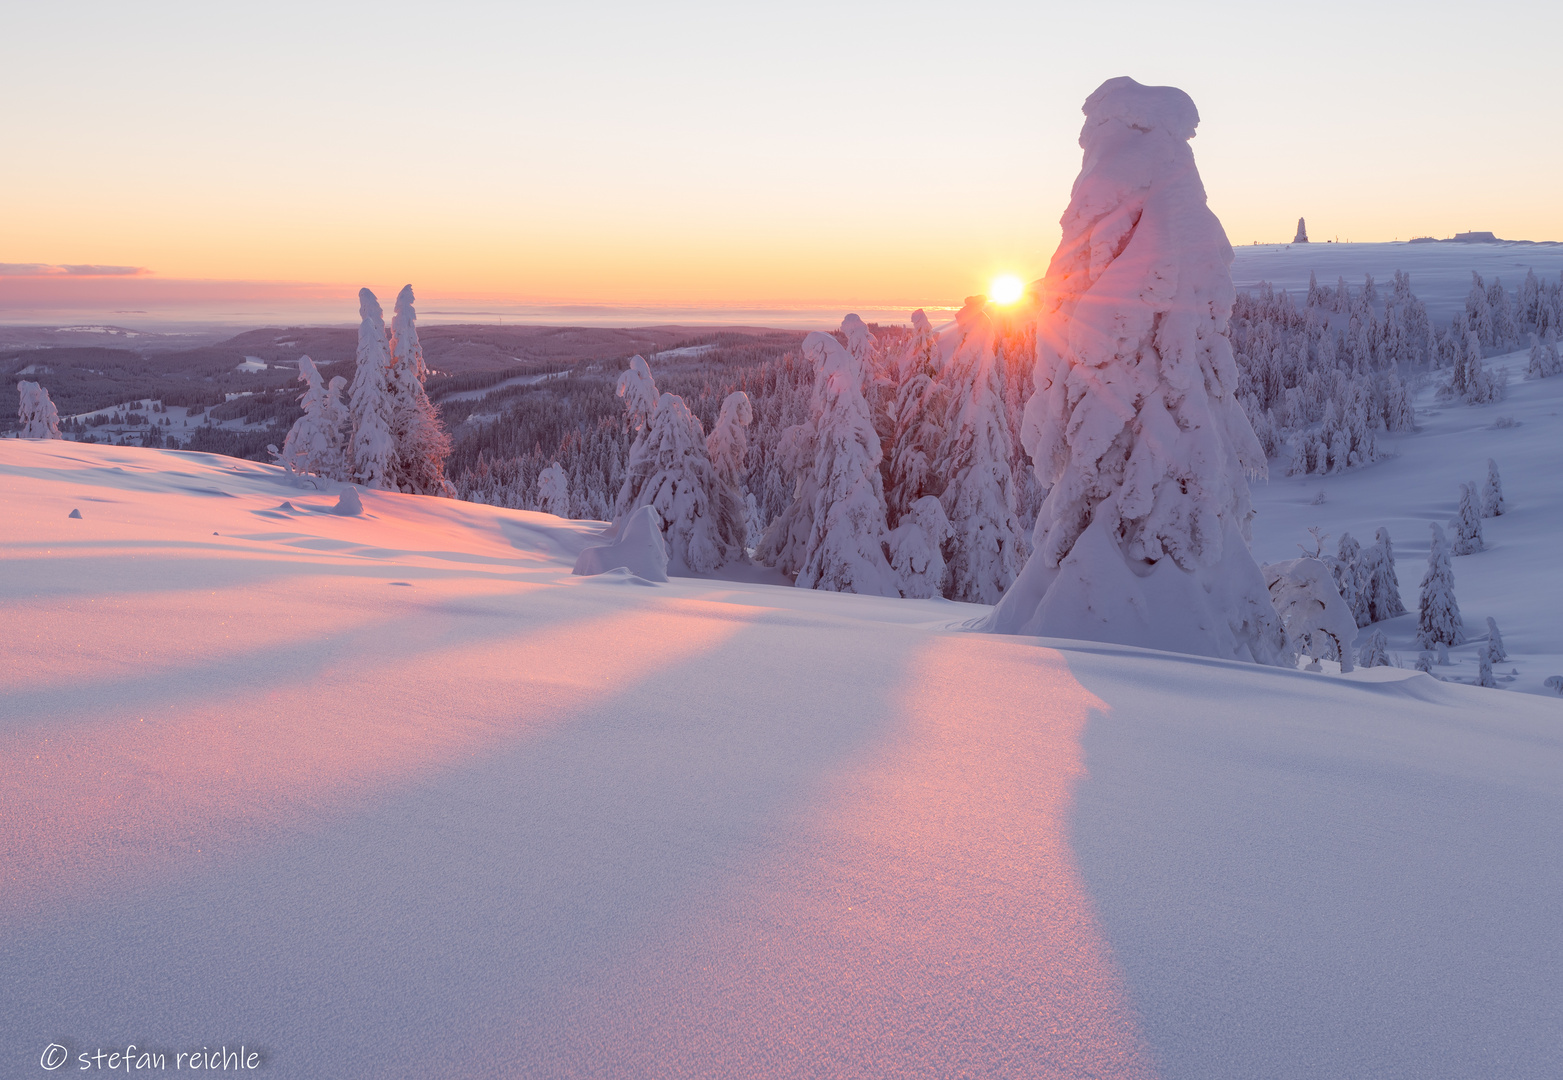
1006, 289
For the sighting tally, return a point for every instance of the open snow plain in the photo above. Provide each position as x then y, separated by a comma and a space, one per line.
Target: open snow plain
397, 795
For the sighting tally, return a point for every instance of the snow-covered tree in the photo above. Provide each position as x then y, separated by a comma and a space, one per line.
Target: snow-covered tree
639, 392
1134, 426
1492, 491
317, 442
1424, 662
1316, 619
1545, 361
920, 406
728, 449
979, 494
1484, 671
916, 549
845, 548
1467, 523
669, 470
1382, 583
1351, 578
1438, 621
1375, 651
371, 406
553, 491
1494, 647
39, 418
1478, 310
422, 444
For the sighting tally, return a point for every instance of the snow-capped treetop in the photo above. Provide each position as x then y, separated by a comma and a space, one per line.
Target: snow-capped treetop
553, 491
370, 404
860, 339
422, 444
38, 416
639, 391
728, 444
1134, 426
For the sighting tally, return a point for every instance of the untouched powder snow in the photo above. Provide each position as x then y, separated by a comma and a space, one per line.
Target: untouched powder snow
398, 795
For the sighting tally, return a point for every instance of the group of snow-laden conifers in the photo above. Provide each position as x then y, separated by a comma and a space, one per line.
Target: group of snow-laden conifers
1107, 408
386, 434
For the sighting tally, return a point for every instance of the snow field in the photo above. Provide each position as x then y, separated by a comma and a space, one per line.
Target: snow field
396, 794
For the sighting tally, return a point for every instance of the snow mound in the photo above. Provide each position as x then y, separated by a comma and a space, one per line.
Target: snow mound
348, 504
639, 549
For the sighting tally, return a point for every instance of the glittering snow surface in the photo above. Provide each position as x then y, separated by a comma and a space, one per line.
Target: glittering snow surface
396, 794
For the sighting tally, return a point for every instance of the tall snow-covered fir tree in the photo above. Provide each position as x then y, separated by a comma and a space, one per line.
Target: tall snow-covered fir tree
1467, 523
845, 548
983, 552
371, 407
1492, 492
1438, 620
38, 416
1383, 584
921, 403
1134, 425
728, 449
422, 444
1351, 578
317, 442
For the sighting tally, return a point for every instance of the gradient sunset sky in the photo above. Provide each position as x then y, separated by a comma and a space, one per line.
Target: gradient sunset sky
747, 156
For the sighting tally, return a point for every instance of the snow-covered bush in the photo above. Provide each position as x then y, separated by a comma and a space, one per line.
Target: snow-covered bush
638, 548
1424, 662
1134, 427
916, 545
317, 443
39, 418
1317, 620
1438, 620
553, 491
1492, 492
1467, 523
1375, 651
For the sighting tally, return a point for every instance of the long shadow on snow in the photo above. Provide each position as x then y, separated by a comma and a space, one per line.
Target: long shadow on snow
1304, 876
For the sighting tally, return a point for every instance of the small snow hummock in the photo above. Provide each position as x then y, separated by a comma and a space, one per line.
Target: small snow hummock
348, 504
1135, 428
639, 549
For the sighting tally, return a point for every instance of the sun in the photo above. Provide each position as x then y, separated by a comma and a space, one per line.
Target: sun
1006, 289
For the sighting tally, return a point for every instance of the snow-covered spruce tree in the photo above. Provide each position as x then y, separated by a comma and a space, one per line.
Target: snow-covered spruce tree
1383, 584
1545, 361
1351, 578
553, 491
1482, 384
316, 444
371, 407
1478, 310
728, 449
1467, 523
916, 549
920, 406
669, 470
1134, 427
1484, 671
39, 418
845, 551
1494, 648
1492, 491
638, 390
982, 555
1375, 651
1317, 620
1438, 621
422, 444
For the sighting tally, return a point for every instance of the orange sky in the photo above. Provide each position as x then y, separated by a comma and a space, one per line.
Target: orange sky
721, 158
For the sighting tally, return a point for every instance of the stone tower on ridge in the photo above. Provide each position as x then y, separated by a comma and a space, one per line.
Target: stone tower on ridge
1302, 232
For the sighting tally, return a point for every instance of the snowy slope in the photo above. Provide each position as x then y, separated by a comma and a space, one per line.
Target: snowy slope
396, 795
1515, 580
